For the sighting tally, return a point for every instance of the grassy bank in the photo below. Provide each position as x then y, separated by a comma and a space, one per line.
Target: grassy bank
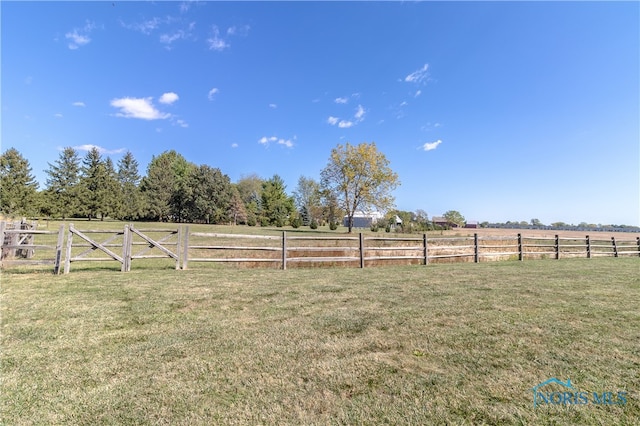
443, 344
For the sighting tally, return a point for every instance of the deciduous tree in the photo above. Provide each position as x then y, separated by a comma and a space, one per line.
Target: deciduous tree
307, 196
454, 217
360, 178
165, 175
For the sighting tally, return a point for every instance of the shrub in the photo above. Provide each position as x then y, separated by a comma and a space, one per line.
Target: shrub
264, 221
333, 225
374, 227
251, 221
313, 224
296, 222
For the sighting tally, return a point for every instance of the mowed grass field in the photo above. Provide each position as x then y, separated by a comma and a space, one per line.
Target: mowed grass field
441, 344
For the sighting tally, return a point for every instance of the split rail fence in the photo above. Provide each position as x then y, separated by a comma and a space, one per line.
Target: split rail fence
294, 250
19, 245
184, 248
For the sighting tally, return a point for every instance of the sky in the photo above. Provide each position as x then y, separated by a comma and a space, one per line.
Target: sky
499, 110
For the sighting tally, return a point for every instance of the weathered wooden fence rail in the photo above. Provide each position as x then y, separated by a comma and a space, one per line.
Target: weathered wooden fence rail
19, 247
367, 251
185, 248
119, 246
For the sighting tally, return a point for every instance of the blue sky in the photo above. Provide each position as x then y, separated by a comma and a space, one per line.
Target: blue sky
500, 110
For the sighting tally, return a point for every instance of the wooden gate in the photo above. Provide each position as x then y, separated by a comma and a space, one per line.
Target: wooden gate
92, 246
118, 245
160, 244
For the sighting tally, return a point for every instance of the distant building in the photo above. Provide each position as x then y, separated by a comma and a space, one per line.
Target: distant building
363, 219
444, 223
472, 224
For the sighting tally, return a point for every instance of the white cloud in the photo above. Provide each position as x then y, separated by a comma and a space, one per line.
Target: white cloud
58, 115
181, 34
215, 42
273, 106
333, 120
341, 100
79, 37
212, 92
418, 93
185, 6
418, 76
101, 150
145, 27
429, 146
239, 31
286, 143
404, 103
360, 113
141, 108
280, 141
234, 145
180, 123
78, 104
168, 98
170, 38
345, 124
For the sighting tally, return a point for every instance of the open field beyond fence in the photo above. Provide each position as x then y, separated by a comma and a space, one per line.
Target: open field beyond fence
120, 246
441, 344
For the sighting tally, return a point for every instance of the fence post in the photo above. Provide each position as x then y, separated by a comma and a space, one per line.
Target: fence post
59, 243
125, 249
185, 248
3, 225
556, 246
424, 249
67, 260
284, 250
361, 250
178, 248
588, 247
476, 254
520, 254
615, 247
638, 240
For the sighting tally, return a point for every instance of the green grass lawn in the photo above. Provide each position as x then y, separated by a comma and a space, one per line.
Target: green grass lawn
442, 344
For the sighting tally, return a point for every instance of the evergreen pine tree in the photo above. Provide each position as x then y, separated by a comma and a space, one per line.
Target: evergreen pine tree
17, 185
61, 195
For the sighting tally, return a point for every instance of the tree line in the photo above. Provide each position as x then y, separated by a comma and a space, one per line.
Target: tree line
176, 190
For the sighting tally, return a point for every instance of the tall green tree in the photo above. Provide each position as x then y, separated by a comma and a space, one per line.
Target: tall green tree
307, 196
165, 175
132, 206
250, 191
360, 178
209, 197
93, 184
18, 187
113, 195
62, 193
277, 206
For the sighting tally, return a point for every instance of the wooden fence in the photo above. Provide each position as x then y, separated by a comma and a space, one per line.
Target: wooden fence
294, 249
119, 246
361, 250
19, 246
